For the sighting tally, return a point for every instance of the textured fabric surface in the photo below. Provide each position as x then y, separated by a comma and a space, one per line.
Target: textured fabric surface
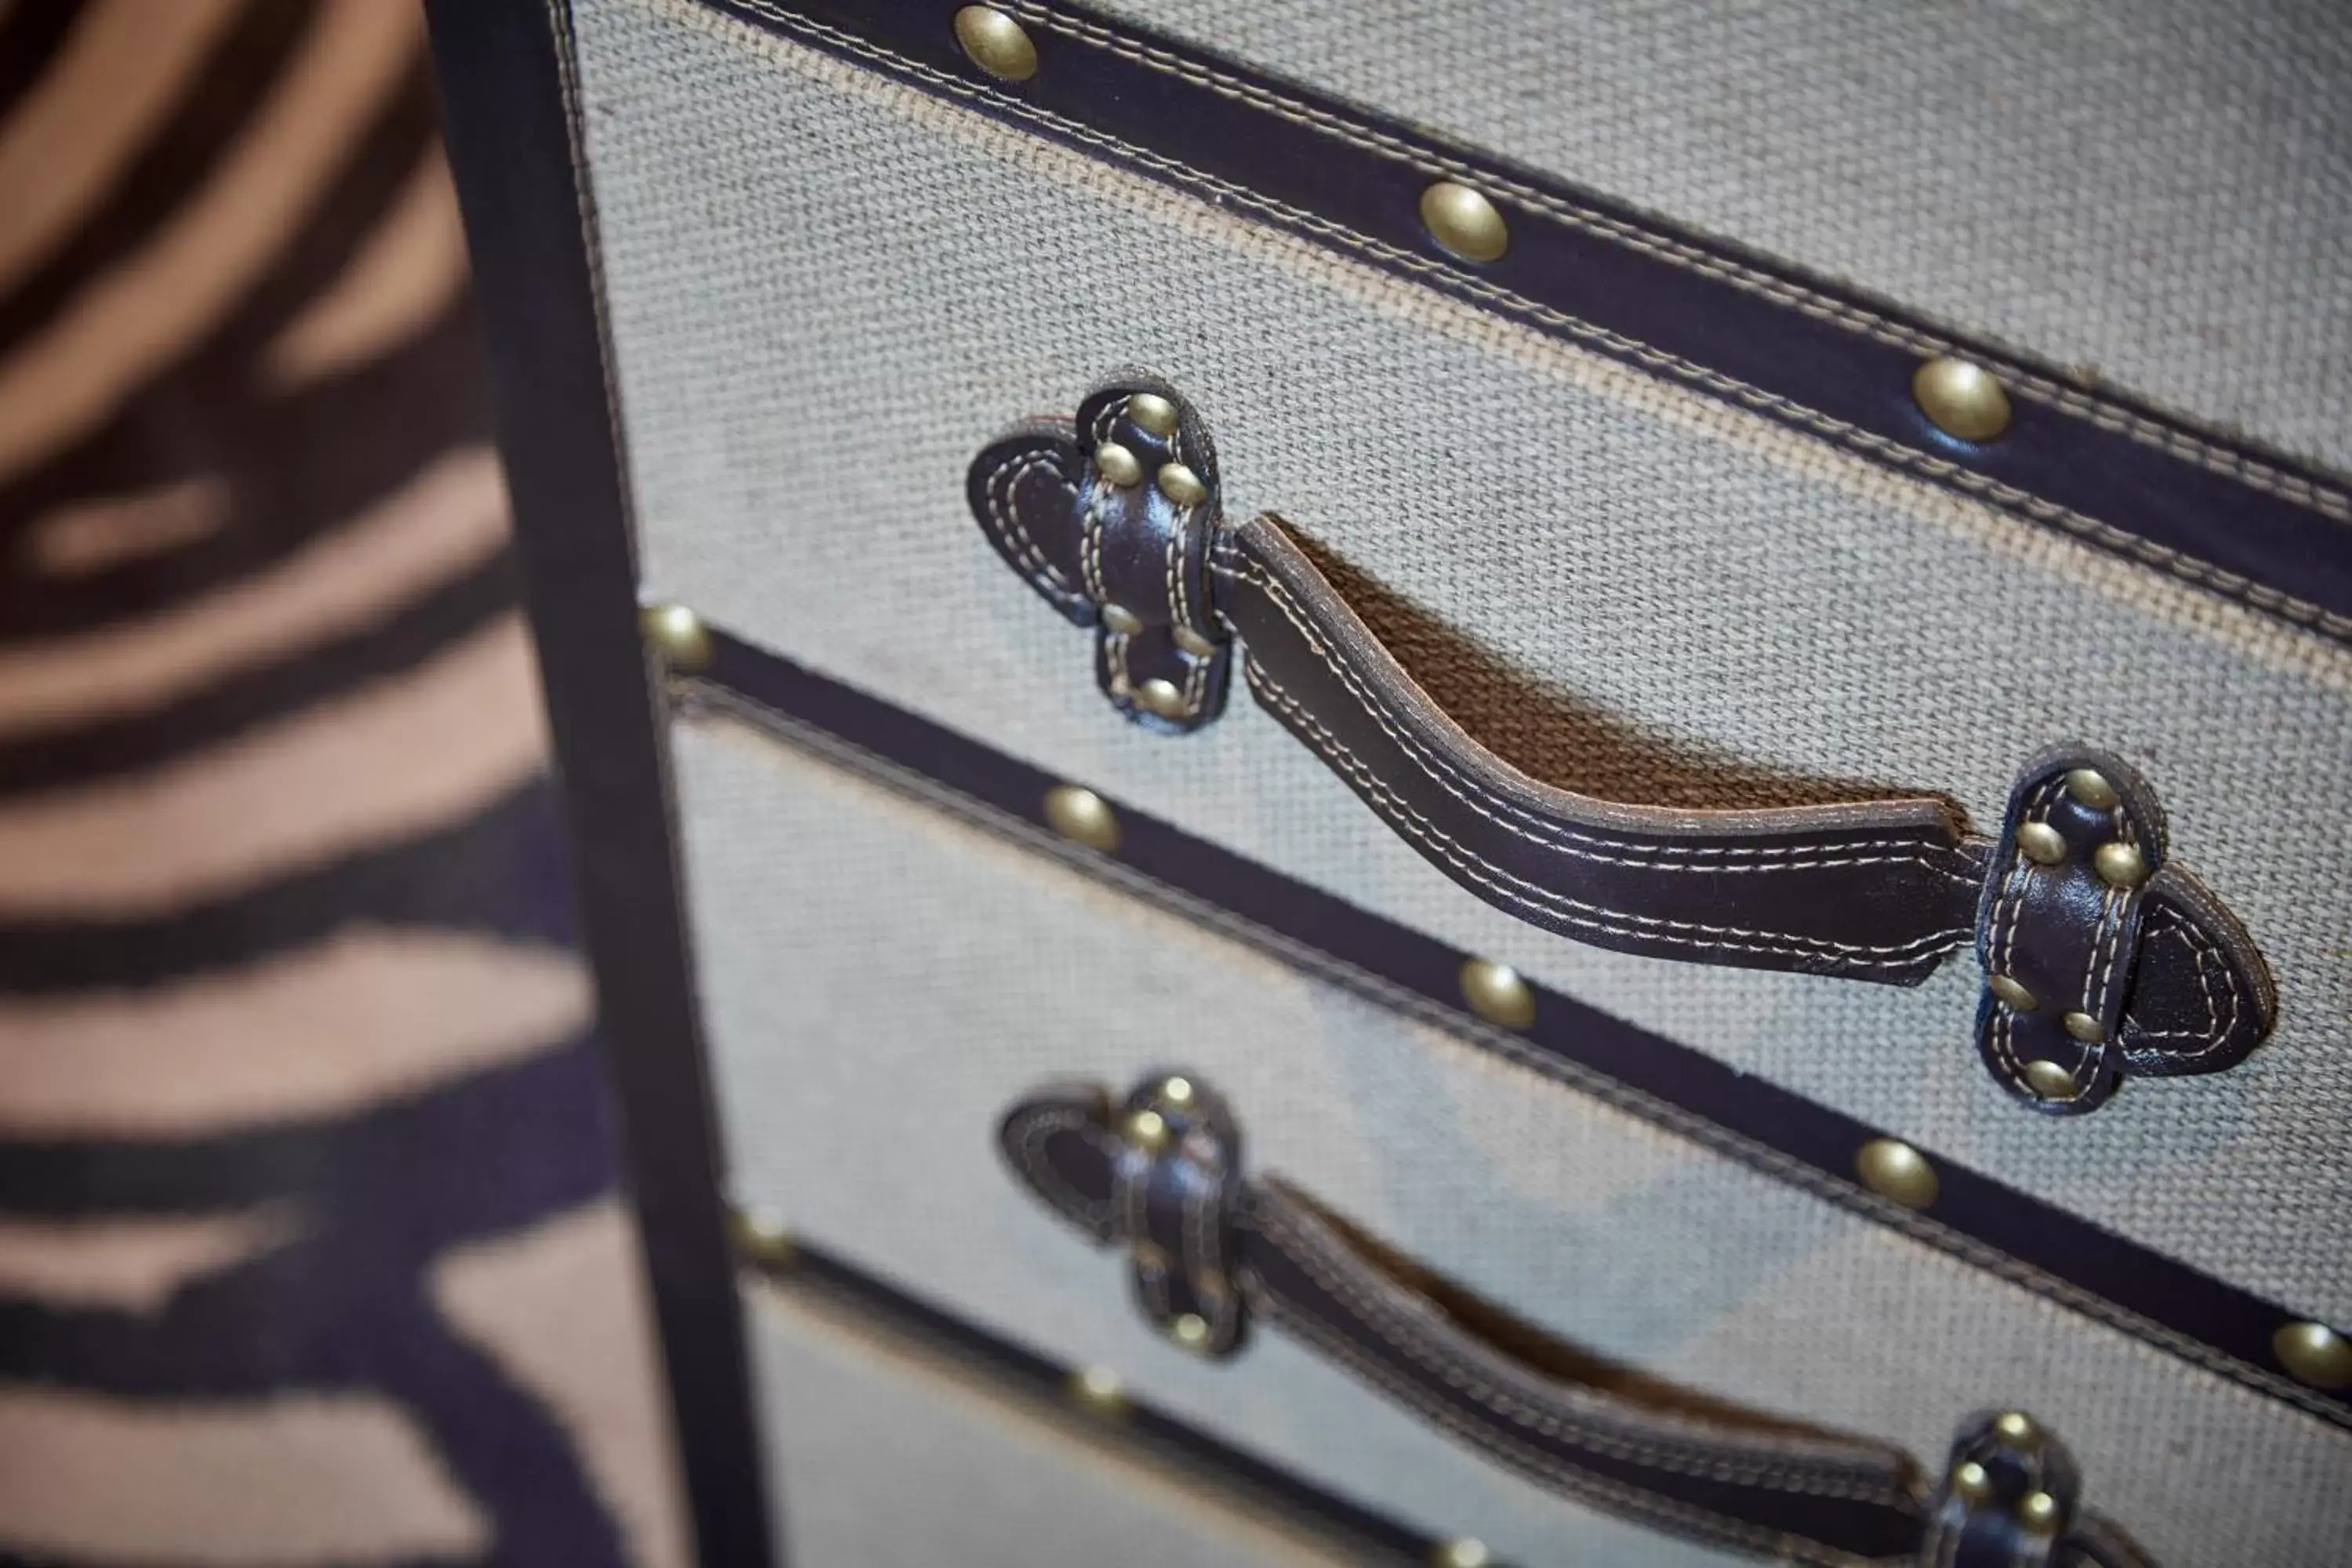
2161, 189
881, 981
887, 1463
1672, 588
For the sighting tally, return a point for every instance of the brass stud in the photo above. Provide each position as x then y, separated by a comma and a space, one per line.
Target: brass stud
761, 1237
2049, 1080
1149, 1257
996, 43
1164, 698
1122, 620
1177, 1091
1462, 1552
1191, 1330
2040, 843
1147, 1131
2015, 1426
2120, 865
1964, 401
2084, 1027
1082, 816
1099, 1389
1464, 222
677, 634
2090, 787
2014, 995
1116, 464
1153, 413
1970, 1481
2315, 1353
1193, 643
1181, 484
1893, 1169
1497, 994
2038, 1510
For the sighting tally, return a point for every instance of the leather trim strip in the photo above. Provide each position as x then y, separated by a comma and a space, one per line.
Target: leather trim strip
2241, 522
2042, 1249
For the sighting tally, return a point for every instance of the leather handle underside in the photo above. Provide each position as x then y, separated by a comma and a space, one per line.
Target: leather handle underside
1215, 1255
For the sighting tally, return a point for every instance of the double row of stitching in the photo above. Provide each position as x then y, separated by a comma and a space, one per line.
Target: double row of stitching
1005, 519
1029, 1153
1783, 291
2205, 955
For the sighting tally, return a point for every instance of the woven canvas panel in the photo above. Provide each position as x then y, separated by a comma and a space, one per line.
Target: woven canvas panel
2160, 190
822, 311
881, 980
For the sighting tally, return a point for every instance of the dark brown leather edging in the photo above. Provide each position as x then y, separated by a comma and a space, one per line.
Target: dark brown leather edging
2129, 478
2039, 1247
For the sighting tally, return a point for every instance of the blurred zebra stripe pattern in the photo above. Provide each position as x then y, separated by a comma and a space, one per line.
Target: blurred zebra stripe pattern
312, 1242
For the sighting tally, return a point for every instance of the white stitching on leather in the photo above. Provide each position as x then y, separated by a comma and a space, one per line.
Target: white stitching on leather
1029, 1151
1005, 518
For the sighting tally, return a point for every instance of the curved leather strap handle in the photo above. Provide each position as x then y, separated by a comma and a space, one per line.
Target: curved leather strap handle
1215, 1254
2103, 957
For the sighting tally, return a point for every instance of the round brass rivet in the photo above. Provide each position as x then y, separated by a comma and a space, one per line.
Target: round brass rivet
1149, 1257
2090, 787
1122, 620
2049, 1080
763, 1237
1181, 484
1147, 1131
1177, 1091
1893, 1169
2013, 996
2038, 1510
1964, 400
1191, 1331
1099, 1389
2016, 1426
1464, 222
1081, 816
677, 634
1116, 464
1970, 1481
2040, 843
1193, 643
1463, 1552
2315, 1353
1164, 698
2084, 1027
2120, 865
1153, 413
996, 43
1497, 994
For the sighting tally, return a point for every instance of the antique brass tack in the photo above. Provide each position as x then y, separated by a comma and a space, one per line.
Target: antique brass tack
1191, 1330
1147, 1131
677, 634
1464, 222
2039, 1510
1893, 1169
1193, 643
1116, 464
996, 43
1963, 400
1181, 484
1970, 1481
761, 1237
1463, 1552
2049, 1080
2315, 1353
2014, 995
2120, 865
1083, 816
1151, 1257
2090, 787
1177, 1091
1122, 620
1497, 994
2040, 843
2084, 1027
1164, 698
1099, 1389
2016, 1426
1153, 413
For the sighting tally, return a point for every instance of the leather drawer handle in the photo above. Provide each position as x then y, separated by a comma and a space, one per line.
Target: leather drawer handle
2104, 957
1216, 1254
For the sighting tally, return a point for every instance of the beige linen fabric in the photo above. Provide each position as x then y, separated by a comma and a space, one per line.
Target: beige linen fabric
828, 291
881, 981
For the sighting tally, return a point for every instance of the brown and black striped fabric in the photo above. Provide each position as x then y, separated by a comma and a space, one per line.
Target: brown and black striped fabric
312, 1242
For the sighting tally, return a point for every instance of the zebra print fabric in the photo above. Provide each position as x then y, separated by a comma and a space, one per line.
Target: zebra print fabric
312, 1246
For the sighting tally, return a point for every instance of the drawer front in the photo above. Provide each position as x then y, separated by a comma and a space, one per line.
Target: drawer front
828, 289
883, 975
